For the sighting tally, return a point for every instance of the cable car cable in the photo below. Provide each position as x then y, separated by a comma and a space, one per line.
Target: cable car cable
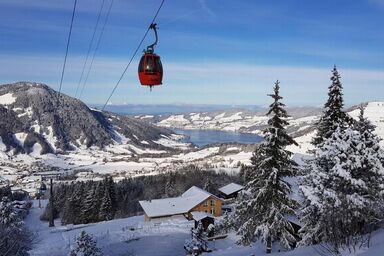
133, 56
96, 49
90, 46
66, 52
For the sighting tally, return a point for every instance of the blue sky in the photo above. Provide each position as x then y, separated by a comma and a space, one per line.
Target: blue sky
213, 51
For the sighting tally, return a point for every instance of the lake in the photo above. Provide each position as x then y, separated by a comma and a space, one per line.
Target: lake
204, 137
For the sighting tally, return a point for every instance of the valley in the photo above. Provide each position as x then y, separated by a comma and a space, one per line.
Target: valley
130, 146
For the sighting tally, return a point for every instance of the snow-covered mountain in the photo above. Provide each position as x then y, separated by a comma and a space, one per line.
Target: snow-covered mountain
35, 118
42, 130
301, 122
244, 121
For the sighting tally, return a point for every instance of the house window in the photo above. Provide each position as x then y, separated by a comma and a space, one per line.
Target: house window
212, 202
213, 211
206, 203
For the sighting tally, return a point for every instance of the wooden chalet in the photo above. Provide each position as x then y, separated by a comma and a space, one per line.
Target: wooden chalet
193, 200
231, 190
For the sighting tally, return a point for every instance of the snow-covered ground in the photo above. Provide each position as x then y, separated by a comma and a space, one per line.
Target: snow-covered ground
164, 237
7, 99
119, 161
130, 236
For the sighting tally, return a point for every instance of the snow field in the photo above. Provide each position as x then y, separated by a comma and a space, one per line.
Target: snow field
116, 237
162, 237
7, 99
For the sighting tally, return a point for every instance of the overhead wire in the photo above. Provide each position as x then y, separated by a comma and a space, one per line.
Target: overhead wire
90, 46
97, 48
68, 41
133, 56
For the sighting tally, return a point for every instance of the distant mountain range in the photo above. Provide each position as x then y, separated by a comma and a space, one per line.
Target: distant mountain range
34, 117
237, 120
301, 123
167, 109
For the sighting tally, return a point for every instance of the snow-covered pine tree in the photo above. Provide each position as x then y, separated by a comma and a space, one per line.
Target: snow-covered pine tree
343, 189
263, 208
170, 185
77, 200
105, 212
67, 213
14, 238
225, 224
110, 186
333, 115
89, 210
71, 211
363, 125
85, 246
198, 242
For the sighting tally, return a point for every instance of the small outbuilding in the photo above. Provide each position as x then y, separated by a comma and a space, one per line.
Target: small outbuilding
205, 218
231, 190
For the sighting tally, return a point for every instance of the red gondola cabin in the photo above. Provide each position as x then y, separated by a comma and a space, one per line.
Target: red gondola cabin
150, 70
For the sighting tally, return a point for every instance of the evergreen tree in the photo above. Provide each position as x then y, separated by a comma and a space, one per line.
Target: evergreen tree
72, 209
68, 214
333, 115
261, 211
210, 186
89, 208
343, 188
105, 212
77, 203
14, 238
6, 192
169, 188
198, 242
85, 246
110, 186
363, 125
226, 223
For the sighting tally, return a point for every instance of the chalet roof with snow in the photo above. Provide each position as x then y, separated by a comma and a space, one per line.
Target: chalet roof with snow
176, 205
231, 188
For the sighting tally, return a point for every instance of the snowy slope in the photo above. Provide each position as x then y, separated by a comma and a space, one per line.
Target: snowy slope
373, 111
162, 237
33, 113
116, 237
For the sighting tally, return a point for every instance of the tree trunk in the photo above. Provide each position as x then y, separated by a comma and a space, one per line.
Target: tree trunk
269, 245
